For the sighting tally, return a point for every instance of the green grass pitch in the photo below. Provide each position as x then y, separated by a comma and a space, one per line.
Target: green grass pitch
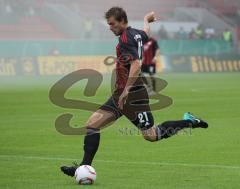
32, 151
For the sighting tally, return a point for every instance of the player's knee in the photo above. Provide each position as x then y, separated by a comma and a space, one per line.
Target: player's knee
149, 138
149, 134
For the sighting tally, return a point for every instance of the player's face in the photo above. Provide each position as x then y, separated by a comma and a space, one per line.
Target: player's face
115, 26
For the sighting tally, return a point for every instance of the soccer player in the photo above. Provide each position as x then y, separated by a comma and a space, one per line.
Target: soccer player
150, 53
128, 84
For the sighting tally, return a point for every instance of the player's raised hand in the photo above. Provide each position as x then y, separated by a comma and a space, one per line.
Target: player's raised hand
150, 17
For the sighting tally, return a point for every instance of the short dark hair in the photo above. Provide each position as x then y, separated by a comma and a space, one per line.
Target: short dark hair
118, 13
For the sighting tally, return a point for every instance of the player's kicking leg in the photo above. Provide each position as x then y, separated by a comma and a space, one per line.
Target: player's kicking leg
97, 121
169, 128
138, 111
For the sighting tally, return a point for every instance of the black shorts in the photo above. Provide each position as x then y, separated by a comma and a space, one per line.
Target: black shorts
149, 68
136, 108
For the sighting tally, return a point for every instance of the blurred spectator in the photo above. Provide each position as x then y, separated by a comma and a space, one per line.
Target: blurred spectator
227, 35
209, 33
192, 34
181, 33
162, 33
199, 32
88, 26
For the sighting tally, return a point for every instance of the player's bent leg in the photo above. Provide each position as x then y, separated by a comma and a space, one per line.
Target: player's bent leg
165, 130
170, 128
97, 121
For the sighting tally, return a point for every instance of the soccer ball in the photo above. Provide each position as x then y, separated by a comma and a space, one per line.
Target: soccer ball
85, 175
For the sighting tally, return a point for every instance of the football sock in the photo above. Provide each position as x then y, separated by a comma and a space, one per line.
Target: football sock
91, 143
169, 128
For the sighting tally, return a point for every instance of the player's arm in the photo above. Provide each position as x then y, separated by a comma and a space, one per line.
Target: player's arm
148, 18
157, 54
134, 72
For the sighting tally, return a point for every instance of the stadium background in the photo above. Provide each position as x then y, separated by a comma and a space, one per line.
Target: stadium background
43, 40
31, 32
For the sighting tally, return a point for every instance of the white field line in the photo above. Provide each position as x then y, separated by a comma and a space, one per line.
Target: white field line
123, 162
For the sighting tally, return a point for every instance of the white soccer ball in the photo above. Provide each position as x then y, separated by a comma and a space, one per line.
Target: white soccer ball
85, 175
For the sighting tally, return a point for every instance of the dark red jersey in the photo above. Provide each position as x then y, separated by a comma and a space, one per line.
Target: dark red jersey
149, 51
129, 48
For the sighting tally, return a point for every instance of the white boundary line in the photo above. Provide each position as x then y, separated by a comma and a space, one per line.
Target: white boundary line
123, 162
